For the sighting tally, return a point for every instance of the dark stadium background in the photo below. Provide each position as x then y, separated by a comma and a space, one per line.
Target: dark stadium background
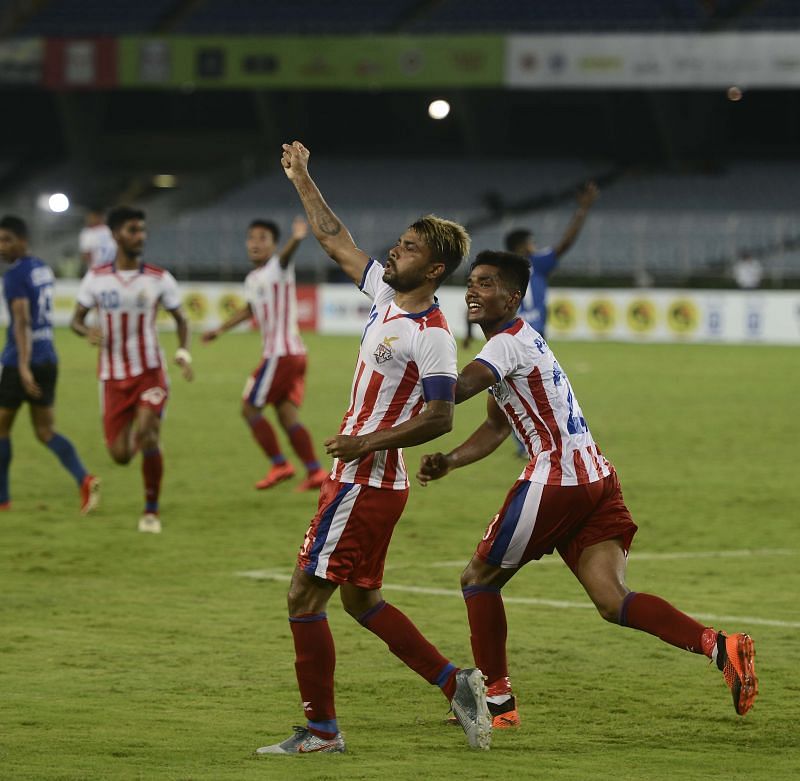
103, 145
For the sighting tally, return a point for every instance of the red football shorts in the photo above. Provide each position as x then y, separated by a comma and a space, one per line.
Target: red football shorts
121, 399
350, 534
537, 519
277, 379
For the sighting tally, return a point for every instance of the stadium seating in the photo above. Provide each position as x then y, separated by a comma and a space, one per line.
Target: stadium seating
97, 17
311, 16
670, 227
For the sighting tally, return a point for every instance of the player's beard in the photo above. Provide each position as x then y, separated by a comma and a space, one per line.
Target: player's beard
404, 283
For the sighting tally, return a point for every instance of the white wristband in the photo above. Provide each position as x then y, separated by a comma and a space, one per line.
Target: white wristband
182, 354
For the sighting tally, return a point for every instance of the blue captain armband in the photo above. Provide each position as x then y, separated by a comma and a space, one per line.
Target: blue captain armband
439, 387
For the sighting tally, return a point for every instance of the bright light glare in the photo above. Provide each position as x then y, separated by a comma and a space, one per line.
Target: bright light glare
438, 109
58, 202
734, 94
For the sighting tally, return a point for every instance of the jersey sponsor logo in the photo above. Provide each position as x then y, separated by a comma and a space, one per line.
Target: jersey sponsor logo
42, 275
142, 301
501, 392
154, 396
384, 352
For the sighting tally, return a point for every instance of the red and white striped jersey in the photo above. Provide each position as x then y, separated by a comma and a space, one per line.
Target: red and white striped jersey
270, 291
127, 302
534, 393
405, 359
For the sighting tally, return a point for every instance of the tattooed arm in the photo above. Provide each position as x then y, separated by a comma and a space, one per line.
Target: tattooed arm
330, 233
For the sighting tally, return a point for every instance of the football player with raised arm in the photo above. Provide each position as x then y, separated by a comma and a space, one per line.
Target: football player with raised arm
133, 383
567, 498
402, 395
279, 379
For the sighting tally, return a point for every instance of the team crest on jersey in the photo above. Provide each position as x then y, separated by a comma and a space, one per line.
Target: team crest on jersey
501, 392
383, 352
142, 301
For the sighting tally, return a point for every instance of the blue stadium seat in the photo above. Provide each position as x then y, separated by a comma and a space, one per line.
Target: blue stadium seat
97, 17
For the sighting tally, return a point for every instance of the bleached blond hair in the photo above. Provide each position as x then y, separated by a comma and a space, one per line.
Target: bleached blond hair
448, 241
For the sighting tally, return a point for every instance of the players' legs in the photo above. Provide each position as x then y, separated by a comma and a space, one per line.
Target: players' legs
315, 655
601, 571
481, 584
263, 432
7, 415
405, 641
123, 447
147, 429
298, 434
43, 421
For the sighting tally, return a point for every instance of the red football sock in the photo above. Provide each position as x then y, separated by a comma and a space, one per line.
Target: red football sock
264, 434
152, 471
654, 615
301, 443
315, 661
406, 642
488, 631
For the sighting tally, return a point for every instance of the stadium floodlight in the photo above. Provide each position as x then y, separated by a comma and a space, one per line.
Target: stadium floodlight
58, 203
438, 109
734, 94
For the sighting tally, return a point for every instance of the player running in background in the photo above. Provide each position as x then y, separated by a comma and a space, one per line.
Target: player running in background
29, 363
280, 377
568, 497
402, 395
95, 242
133, 382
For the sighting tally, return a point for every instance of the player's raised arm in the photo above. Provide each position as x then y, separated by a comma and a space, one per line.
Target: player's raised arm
483, 441
330, 233
299, 232
586, 197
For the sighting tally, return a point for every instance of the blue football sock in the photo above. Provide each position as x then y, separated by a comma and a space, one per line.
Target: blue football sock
5, 460
68, 457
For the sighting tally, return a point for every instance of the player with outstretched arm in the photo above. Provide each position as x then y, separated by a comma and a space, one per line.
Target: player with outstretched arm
402, 395
568, 497
279, 379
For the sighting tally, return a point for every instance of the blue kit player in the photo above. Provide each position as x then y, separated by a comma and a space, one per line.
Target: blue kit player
29, 362
533, 307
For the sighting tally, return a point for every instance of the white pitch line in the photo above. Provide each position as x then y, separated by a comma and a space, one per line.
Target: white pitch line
285, 577
674, 556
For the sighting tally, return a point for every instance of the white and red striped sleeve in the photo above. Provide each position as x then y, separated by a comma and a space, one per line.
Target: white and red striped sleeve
435, 356
502, 355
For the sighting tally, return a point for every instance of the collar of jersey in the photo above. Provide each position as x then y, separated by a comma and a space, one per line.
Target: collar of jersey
140, 267
510, 324
413, 315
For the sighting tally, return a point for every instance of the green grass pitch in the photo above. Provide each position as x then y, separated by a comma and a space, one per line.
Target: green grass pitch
131, 656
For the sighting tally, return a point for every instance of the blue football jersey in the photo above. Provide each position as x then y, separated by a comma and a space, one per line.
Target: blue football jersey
31, 278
